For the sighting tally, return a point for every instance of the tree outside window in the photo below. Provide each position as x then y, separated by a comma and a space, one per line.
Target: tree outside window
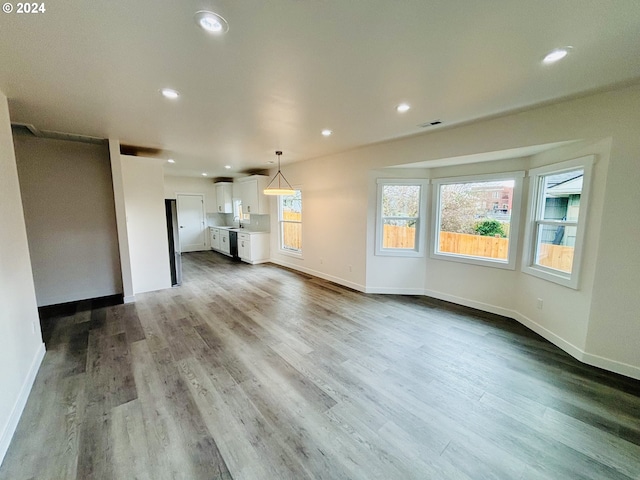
473, 221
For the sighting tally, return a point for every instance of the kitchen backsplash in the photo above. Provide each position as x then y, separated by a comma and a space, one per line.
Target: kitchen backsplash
258, 223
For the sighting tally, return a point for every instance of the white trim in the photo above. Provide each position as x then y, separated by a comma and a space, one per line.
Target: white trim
18, 407
576, 352
252, 262
292, 254
324, 276
394, 291
611, 365
572, 279
280, 221
514, 221
485, 307
129, 299
421, 221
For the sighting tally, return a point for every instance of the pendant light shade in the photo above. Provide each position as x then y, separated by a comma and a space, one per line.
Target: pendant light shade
281, 187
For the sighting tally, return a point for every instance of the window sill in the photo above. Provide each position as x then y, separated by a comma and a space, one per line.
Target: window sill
566, 280
483, 262
399, 253
289, 253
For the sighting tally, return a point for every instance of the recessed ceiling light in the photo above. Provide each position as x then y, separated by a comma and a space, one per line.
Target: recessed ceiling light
326, 132
211, 22
555, 55
169, 93
227, 167
203, 174
171, 160
403, 107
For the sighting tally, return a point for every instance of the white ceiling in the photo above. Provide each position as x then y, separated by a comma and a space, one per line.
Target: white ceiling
286, 69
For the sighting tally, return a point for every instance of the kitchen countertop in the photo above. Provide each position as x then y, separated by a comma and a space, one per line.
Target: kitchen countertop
239, 230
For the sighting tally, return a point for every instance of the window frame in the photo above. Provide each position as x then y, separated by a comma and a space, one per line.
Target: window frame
420, 240
514, 222
281, 222
534, 209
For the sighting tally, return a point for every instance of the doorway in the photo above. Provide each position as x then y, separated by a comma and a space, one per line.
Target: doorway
191, 222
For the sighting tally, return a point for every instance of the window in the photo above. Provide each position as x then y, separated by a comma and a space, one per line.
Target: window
290, 218
555, 223
400, 226
469, 226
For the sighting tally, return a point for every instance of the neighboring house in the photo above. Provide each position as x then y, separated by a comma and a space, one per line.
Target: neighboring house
494, 199
563, 203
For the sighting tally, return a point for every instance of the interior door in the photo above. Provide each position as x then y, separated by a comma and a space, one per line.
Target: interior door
191, 222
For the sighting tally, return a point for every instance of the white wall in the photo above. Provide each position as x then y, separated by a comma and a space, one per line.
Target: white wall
614, 324
334, 209
121, 219
69, 211
143, 186
599, 323
205, 186
21, 347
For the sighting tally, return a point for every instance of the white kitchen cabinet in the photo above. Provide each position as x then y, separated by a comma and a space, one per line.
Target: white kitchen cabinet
253, 247
214, 234
224, 197
224, 242
254, 202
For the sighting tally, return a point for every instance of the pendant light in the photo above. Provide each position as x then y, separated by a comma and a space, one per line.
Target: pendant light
280, 188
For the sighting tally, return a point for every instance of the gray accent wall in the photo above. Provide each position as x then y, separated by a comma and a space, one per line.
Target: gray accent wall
67, 196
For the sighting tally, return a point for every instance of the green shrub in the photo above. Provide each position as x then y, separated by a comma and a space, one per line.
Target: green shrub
489, 228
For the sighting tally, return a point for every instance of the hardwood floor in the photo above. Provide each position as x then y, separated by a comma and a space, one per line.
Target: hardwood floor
257, 372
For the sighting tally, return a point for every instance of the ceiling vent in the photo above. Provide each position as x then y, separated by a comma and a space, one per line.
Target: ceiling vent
31, 131
430, 124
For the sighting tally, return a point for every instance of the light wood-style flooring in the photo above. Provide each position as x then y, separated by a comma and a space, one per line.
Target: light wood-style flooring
258, 372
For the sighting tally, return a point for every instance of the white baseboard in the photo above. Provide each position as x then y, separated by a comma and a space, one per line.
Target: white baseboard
21, 402
576, 352
395, 291
485, 307
611, 365
547, 334
324, 276
129, 299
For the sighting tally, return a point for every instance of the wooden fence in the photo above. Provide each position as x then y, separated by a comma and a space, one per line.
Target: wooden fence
558, 257
474, 245
398, 237
292, 232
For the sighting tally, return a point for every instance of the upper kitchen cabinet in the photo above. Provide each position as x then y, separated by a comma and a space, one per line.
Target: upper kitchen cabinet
224, 197
253, 200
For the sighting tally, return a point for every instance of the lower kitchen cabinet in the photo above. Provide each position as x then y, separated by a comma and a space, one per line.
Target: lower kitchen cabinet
214, 234
253, 247
224, 242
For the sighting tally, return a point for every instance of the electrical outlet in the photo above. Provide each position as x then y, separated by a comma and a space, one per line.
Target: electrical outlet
350, 268
539, 304
321, 261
